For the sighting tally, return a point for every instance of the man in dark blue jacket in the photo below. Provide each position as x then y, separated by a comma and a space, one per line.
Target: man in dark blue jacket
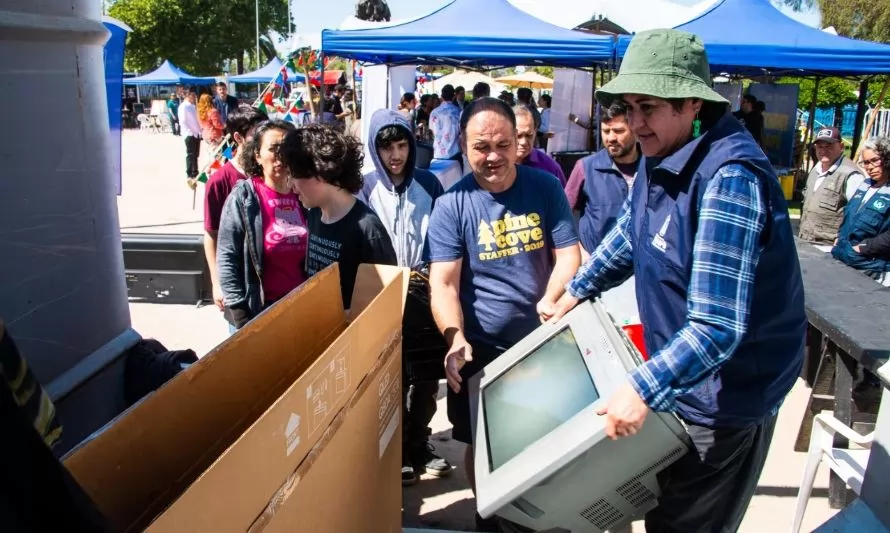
600, 183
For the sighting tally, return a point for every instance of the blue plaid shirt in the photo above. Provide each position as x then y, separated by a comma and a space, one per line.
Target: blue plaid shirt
724, 259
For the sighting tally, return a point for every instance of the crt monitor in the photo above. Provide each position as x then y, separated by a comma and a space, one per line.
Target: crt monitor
542, 457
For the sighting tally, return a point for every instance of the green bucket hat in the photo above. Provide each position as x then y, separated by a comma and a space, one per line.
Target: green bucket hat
665, 64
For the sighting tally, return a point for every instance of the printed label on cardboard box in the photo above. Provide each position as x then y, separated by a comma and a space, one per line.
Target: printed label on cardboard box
389, 404
325, 390
292, 433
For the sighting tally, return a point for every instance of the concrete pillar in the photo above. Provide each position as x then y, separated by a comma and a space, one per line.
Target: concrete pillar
63, 295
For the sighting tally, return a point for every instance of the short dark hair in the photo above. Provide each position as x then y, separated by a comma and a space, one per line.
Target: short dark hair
243, 119
390, 134
760, 106
448, 92
408, 97
524, 93
547, 98
222, 84
486, 103
425, 98
460, 89
247, 156
481, 90
320, 151
339, 87
750, 98
618, 108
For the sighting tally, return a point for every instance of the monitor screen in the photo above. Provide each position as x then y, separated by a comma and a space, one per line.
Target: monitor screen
541, 392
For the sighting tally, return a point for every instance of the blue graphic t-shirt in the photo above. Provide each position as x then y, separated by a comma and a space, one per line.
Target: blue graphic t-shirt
506, 241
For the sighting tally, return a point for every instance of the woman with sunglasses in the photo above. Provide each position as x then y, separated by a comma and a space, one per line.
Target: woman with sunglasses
862, 241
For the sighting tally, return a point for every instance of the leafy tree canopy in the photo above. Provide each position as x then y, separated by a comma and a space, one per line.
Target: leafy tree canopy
196, 35
373, 10
861, 19
832, 91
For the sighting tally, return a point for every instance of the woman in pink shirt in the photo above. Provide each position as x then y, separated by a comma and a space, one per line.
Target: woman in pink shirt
262, 240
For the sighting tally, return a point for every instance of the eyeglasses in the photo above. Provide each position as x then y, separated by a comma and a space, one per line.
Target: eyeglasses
875, 161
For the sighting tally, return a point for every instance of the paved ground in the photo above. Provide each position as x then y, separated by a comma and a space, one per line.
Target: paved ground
156, 199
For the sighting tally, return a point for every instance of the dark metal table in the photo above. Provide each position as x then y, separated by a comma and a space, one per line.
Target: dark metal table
848, 330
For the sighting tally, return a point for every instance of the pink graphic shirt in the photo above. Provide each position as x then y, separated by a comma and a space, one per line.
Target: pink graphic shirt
285, 238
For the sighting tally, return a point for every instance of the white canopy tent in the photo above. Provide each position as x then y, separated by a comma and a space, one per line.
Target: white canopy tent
465, 79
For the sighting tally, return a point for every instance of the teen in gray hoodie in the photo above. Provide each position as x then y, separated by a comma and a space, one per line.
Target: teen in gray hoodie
403, 197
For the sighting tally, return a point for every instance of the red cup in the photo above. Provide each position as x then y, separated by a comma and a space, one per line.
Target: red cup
635, 333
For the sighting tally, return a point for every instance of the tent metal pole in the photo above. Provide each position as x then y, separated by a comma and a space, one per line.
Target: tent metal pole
874, 114
861, 107
811, 123
257, 4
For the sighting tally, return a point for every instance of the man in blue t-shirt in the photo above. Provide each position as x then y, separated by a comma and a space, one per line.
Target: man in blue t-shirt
502, 245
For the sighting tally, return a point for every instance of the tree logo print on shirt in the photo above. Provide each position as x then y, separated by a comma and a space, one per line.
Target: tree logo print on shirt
510, 235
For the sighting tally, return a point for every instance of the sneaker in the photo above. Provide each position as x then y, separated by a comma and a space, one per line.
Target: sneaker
487, 524
426, 460
409, 476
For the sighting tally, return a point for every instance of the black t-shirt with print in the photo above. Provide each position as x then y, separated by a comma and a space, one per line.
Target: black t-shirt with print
357, 238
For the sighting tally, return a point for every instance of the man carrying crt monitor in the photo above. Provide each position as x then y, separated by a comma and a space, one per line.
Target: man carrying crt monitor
502, 244
707, 237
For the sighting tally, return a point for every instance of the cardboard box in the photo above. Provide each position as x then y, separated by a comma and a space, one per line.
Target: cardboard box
293, 424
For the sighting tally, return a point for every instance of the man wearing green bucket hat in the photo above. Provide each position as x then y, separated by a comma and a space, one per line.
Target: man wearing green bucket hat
707, 237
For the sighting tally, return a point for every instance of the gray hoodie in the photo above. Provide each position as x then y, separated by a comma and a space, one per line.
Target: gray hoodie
404, 210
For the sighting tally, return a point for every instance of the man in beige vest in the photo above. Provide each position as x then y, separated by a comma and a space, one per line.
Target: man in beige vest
830, 185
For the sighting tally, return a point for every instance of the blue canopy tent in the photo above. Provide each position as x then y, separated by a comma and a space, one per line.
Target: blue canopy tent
168, 74
267, 73
468, 34
753, 35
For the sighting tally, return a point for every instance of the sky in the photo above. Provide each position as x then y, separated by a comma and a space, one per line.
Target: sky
310, 19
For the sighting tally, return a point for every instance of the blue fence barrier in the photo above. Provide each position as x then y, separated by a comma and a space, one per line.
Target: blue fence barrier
825, 117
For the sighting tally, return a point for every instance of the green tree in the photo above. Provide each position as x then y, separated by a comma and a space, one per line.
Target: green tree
543, 71
373, 10
860, 19
832, 91
196, 35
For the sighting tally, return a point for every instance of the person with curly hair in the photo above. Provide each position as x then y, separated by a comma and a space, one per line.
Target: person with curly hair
326, 166
862, 239
263, 235
212, 126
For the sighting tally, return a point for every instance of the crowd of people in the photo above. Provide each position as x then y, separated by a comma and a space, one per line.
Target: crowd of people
847, 204
681, 197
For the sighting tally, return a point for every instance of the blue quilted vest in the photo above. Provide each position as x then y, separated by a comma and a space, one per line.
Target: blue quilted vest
606, 191
863, 220
753, 382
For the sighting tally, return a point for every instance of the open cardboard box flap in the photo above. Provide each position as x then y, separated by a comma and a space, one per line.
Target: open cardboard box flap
210, 449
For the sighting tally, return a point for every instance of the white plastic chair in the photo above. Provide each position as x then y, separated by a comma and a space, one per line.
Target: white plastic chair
848, 464
144, 122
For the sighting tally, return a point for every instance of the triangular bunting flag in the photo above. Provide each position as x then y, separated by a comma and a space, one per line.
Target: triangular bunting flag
203, 177
216, 165
262, 107
227, 153
267, 98
290, 118
291, 65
